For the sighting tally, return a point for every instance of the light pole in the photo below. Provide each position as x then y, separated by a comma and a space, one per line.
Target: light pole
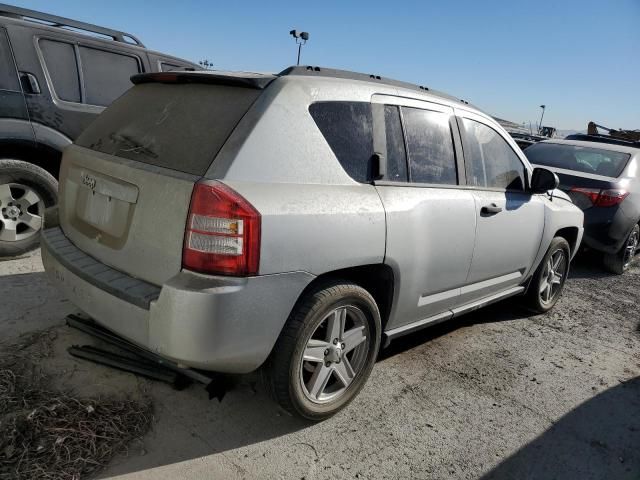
301, 38
206, 64
541, 117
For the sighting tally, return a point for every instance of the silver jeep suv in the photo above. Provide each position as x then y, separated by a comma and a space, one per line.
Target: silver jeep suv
298, 221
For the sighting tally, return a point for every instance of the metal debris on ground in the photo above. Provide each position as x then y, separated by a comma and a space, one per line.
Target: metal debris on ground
51, 434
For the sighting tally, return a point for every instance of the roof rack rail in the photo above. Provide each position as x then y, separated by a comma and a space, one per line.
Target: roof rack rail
310, 70
56, 21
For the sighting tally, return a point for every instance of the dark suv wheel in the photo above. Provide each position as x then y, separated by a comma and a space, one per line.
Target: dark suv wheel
26, 191
326, 351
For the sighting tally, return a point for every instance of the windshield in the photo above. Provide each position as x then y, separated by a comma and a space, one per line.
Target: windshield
578, 158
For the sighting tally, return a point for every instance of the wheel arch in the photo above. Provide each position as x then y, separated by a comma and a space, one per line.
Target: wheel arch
44, 156
377, 279
570, 234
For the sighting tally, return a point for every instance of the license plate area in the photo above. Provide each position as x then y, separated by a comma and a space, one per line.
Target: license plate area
105, 213
105, 204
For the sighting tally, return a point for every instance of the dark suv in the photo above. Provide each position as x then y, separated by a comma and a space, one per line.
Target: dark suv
56, 76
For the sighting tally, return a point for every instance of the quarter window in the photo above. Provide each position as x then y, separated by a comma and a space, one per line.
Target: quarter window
429, 146
169, 67
106, 74
348, 129
490, 160
8, 75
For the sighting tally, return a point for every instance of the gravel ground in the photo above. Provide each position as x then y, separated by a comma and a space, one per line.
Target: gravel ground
497, 394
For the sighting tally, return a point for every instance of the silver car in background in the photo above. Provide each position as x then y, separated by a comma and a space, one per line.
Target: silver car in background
297, 222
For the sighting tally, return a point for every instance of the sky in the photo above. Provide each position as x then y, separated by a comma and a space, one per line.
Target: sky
580, 58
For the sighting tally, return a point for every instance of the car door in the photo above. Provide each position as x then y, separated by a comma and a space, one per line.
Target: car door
14, 119
430, 220
509, 219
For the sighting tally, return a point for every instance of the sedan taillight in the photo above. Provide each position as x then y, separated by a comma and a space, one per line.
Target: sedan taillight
223, 232
602, 198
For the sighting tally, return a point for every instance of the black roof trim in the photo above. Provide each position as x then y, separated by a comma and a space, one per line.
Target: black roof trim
56, 21
312, 71
258, 83
602, 139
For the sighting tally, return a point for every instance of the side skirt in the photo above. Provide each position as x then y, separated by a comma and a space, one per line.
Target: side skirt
444, 316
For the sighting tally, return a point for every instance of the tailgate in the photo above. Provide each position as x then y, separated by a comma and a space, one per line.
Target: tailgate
126, 184
129, 216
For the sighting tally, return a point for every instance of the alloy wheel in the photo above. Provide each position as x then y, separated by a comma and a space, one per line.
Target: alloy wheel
335, 354
630, 249
21, 211
553, 276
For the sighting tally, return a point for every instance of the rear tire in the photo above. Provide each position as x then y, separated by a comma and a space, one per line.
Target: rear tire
620, 261
548, 282
26, 191
326, 351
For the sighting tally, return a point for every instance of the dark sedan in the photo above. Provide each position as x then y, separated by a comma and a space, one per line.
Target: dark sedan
602, 180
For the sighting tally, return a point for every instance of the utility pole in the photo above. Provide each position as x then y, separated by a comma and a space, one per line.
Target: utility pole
301, 39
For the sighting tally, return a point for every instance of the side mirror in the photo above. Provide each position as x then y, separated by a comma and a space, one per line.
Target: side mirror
543, 180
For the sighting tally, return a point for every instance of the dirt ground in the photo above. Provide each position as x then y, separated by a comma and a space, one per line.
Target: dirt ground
497, 394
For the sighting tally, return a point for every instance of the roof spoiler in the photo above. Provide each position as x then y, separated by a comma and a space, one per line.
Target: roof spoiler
258, 83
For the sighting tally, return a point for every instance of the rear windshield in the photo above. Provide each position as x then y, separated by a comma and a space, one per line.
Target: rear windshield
181, 127
580, 159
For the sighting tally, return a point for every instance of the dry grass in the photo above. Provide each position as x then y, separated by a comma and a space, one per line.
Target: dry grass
48, 434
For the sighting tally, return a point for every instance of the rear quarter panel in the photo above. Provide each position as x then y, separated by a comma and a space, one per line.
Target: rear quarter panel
316, 228
315, 218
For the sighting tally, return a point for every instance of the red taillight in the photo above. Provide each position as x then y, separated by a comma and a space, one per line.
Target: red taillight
609, 198
603, 198
223, 232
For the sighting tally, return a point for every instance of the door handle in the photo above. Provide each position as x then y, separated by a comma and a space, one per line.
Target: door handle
490, 209
30, 83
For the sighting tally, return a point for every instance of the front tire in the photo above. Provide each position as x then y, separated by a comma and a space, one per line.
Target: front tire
548, 281
620, 261
326, 351
26, 191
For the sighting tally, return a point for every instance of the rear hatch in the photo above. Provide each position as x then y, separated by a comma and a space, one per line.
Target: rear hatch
590, 176
125, 186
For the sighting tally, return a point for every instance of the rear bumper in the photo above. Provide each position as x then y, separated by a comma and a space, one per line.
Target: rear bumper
217, 323
606, 229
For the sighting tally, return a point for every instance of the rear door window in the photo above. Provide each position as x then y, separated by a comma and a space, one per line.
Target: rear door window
429, 146
490, 160
181, 127
61, 63
396, 153
348, 129
106, 74
8, 74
